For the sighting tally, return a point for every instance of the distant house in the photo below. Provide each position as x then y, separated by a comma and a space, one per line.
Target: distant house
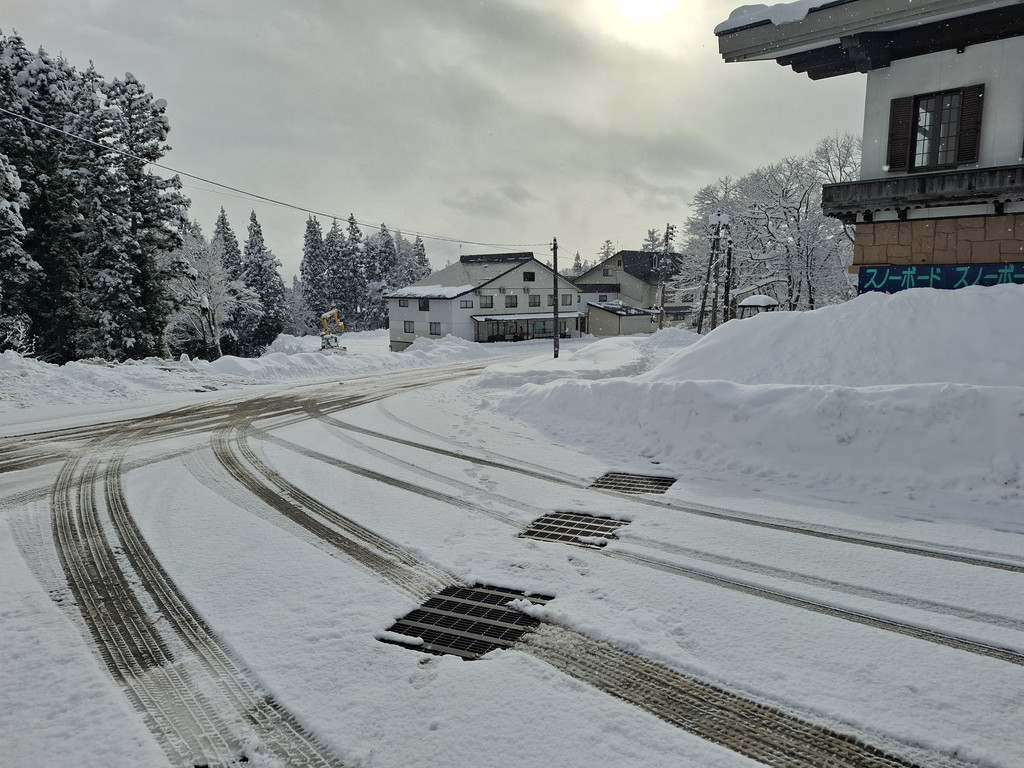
941, 198
627, 281
491, 297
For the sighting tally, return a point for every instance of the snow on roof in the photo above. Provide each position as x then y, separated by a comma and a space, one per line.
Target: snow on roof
417, 291
758, 300
469, 273
780, 13
527, 316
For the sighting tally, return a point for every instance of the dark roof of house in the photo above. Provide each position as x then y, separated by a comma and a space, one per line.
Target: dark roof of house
496, 258
638, 264
599, 287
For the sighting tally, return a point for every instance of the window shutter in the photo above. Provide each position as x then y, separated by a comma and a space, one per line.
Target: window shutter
970, 124
901, 123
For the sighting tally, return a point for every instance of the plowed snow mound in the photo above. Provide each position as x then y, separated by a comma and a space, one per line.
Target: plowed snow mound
920, 336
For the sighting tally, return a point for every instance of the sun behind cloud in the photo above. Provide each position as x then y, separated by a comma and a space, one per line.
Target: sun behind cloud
646, 11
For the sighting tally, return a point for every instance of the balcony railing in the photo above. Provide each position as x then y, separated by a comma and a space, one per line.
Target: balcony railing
924, 190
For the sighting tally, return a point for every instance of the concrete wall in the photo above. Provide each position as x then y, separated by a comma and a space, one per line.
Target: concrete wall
998, 65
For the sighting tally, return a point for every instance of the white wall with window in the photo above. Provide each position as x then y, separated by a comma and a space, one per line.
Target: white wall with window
515, 294
942, 87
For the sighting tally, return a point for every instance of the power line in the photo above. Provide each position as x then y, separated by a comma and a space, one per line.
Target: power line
254, 195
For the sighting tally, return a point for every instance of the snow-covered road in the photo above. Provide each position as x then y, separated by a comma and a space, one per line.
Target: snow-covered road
198, 560
233, 564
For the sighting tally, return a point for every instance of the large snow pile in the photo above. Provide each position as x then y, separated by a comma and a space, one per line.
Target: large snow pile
915, 393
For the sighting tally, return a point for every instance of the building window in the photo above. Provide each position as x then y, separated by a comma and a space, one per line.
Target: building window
486, 302
435, 329
529, 277
403, 302
566, 299
551, 299
606, 272
935, 130
424, 305
534, 299
465, 303
602, 297
409, 326
511, 300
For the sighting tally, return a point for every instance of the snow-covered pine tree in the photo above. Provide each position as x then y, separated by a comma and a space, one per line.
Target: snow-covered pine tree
419, 257
334, 289
653, 242
36, 87
352, 276
224, 245
16, 267
412, 263
299, 321
381, 277
313, 268
259, 272
129, 220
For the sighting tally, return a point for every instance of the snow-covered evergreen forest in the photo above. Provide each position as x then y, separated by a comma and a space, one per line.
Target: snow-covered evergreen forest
341, 269
98, 257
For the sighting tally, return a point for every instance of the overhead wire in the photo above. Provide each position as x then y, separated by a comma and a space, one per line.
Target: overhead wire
255, 196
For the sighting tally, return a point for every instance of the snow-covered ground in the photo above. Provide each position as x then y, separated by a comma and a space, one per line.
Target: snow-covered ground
896, 417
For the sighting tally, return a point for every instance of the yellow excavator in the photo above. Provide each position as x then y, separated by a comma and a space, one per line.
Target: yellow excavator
329, 342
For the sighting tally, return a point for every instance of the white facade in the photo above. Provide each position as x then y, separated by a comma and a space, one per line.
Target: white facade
509, 300
1002, 125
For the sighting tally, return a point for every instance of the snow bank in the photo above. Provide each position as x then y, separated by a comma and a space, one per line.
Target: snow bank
616, 356
921, 391
969, 336
25, 382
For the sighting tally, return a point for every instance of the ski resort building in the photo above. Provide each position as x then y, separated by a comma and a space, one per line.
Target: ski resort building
492, 297
940, 201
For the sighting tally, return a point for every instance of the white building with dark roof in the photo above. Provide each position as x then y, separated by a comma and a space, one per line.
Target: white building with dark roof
940, 202
490, 297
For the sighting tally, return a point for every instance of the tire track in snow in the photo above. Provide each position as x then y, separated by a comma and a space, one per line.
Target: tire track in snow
203, 708
965, 555
1008, 655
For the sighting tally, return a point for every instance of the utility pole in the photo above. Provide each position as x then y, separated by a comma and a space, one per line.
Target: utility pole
727, 309
717, 219
554, 269
670, 232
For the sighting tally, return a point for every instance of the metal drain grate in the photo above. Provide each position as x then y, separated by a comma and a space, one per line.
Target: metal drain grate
627, 483
465, 621
572, 528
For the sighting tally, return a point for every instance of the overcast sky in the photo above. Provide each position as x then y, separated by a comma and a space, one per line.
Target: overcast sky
504, 122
